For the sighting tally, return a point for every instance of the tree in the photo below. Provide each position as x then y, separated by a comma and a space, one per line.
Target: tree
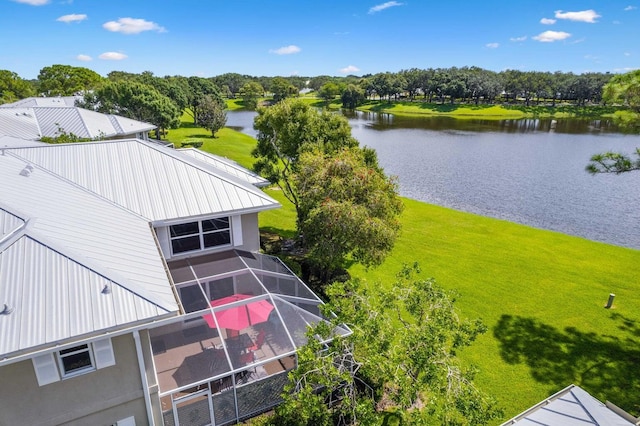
282, 89
199, 87
613, 162
13, 88
405, 339
250, 93
329, 91
285, 131
232, 80
349, 209
623, 88
352, 96
212, 115
65, 80
132, 99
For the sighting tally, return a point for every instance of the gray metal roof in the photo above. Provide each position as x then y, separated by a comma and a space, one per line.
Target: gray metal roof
60, 246
58, 101
226, 165
571, 406
11, 142
19, 123
9, 223
36, 122
158, 183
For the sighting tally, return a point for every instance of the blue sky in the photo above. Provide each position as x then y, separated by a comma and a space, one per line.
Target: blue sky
310, 38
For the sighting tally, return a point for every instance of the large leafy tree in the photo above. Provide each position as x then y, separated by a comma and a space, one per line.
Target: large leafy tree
349, 208
13, 88
623, 89
136, 100
329, 91
233, 81
352, 96
212, 115
251, 93
406, 336
282, 89
199, 87
66, 80
288, 129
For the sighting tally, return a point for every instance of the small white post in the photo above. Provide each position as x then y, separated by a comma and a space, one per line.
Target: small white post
610, 301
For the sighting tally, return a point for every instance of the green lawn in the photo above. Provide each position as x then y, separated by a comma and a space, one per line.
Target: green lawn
541, 293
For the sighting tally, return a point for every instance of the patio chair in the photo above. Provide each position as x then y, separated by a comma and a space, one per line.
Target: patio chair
259, 341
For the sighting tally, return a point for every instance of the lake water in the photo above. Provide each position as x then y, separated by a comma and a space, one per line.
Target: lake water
525, 171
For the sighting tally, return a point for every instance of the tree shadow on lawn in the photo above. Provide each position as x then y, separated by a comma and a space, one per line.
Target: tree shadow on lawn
607, 367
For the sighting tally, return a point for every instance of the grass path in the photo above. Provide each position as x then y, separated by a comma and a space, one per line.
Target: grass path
541, 293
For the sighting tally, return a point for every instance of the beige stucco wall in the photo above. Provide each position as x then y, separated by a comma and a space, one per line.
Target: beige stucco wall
101, 397
250, 233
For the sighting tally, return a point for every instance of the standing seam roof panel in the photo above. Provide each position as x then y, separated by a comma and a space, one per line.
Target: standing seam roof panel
8, 223
195, 191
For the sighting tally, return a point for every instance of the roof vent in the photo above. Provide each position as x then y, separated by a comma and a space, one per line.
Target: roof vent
26, 172
106, 289
6, 310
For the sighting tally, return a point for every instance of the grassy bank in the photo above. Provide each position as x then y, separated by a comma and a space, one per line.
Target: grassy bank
541, 293
489, 112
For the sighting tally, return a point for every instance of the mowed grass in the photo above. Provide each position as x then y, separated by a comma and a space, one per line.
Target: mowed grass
541, 293
488, 112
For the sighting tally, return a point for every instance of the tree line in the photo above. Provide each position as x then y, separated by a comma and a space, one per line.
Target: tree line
453, 85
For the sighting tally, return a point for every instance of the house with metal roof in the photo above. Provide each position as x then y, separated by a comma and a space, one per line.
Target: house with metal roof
132, 290
573, 406
34, 118
44, 101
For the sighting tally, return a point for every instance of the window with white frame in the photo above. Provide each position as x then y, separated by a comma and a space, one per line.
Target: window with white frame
192, 236
70, 362
75, 360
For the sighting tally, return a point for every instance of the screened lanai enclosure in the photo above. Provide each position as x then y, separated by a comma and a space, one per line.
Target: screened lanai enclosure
227, 358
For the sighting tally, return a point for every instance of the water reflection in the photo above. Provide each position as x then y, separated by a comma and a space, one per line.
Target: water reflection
529, 171
385, 121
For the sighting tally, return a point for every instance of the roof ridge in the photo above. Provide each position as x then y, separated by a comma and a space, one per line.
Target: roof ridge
69, 181
183, 159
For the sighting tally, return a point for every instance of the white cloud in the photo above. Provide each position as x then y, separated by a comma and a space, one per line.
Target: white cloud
33, 2
84, 58
286, 50
492, 45
589, 16
523, 38
551, 36
628, 8
113, 56
350, 69
384, 6
132, 26
72, 18
547, 21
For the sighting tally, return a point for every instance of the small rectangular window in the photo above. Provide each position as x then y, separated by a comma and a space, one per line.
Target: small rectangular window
193, 236
184, 229
215, 224
217, 239
76, 360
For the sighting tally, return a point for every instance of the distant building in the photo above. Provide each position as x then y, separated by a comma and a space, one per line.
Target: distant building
573, 406
34, 118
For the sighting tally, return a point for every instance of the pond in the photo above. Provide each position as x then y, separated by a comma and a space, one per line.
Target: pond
525, 171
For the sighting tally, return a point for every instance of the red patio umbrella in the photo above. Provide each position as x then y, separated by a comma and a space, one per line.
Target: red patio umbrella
241, 316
